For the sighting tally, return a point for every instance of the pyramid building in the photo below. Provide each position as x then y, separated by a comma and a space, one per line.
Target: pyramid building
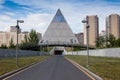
59, 31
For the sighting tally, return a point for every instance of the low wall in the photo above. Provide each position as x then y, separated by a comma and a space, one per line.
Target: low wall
12, 53
109, 52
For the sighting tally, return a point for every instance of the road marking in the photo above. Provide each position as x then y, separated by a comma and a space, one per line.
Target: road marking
77, 65
23, 70
86, 73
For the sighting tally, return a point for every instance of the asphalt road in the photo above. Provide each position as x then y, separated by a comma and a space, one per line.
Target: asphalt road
54, 68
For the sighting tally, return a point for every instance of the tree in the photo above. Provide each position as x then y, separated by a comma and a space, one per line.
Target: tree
100, 41
112, 40
33, 38
118, 42
30, 41
11, 44
108, 41
3, 46
25, 38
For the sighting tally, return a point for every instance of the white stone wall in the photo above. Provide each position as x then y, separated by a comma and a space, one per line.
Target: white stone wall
110, 52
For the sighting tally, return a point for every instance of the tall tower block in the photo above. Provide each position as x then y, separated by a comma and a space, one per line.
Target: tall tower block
93, 29
113, 25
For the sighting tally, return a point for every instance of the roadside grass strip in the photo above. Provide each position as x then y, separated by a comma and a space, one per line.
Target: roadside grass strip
9, 64
107, 68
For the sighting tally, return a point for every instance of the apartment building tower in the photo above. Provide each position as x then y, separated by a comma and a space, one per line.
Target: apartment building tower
93, 32
80, 37
113, 25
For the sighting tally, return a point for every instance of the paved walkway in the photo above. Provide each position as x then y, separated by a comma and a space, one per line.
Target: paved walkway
54, 68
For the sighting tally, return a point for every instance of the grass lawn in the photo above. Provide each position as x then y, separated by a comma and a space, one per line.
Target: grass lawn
107, 68
9, 64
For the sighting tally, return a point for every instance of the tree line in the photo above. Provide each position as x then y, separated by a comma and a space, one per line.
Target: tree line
30, 42
107, 41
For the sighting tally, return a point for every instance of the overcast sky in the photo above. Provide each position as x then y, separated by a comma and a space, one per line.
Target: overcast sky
37, 14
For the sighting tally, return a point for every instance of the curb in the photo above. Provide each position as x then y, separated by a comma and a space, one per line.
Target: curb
15, 71
96, 77
19, 69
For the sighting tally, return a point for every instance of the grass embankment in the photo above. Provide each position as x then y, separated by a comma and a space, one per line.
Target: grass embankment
107, 68
9, 64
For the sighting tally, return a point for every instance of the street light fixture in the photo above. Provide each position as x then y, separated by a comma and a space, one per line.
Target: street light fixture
17, 26
87, 38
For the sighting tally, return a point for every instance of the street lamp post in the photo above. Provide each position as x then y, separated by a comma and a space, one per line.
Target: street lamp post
17, 26
87, 38
41, 42
47, 45
72, 45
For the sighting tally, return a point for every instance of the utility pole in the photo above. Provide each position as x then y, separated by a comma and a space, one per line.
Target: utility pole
87, 39
17, 26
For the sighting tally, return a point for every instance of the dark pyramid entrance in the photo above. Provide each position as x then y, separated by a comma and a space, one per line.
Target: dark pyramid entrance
58, 52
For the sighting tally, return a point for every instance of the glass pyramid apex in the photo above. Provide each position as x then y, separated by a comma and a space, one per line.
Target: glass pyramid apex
59, 17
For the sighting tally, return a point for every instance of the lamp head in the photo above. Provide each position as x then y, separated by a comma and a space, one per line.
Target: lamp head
84, 21
17, 26
20, 21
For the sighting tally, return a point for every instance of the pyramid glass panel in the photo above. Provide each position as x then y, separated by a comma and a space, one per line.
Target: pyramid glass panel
59, 17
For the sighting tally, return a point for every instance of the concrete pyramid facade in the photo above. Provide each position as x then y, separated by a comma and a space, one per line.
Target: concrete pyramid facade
59, 31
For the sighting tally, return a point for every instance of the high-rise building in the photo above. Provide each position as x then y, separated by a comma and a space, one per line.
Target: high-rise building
14, 29
80, 37
113, 25
93, 30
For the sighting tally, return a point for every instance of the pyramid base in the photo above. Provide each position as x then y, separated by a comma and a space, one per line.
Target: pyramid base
58, 51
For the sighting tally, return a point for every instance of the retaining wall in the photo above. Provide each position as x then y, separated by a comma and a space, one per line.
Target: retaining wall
12, 53
109, 52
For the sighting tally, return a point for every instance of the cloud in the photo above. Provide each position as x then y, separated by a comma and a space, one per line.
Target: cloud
75, 13
37, 21
41, 12
1, 2
6, 22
